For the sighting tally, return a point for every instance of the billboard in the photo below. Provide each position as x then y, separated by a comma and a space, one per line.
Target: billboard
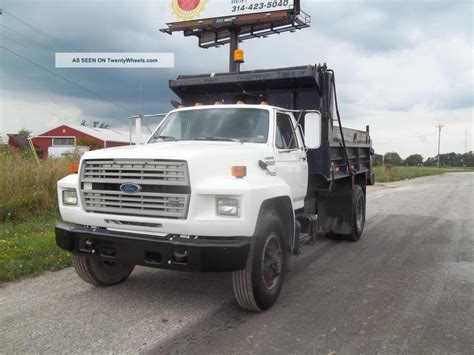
195, 10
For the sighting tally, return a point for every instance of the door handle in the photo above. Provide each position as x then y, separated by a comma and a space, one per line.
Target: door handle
303, 158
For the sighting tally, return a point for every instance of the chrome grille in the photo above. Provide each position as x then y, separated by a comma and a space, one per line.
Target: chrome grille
160, 172
101, 180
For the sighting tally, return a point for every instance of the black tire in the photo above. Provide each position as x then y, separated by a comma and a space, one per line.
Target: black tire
257, 287
358, 214
100, 273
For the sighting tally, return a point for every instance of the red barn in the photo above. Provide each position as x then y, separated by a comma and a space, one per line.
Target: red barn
20, 142
72, 136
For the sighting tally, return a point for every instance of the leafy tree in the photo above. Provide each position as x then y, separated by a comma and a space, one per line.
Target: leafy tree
467, 159
92, 143
414, 160
392, 158
95, 124
25, 132
452, 159
432, 161
378, 159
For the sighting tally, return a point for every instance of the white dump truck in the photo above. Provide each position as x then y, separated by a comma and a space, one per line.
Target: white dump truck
237, 183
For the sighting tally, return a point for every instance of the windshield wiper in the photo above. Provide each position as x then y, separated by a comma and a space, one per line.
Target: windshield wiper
224, 139
166, 138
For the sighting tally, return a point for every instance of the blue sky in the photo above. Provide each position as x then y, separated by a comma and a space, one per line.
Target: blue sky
401, 66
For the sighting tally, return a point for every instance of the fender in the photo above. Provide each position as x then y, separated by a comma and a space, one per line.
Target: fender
283, 206
271, 192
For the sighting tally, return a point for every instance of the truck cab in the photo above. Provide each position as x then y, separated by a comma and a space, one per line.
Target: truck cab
218, 187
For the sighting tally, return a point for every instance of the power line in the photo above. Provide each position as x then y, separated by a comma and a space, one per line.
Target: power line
439, 141
22, 35
50, 99
54, 40
44, 93
65, 79
34, 28
20, 112
15, 42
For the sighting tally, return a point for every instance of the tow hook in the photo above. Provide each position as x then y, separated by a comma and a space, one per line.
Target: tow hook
180, 257
87, 247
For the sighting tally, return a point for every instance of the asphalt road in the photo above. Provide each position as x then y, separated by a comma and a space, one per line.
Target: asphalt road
406, 286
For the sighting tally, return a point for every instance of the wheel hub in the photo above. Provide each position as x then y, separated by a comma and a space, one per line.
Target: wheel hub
272, 261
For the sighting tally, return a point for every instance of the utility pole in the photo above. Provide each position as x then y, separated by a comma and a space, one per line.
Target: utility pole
439, 141
465, 141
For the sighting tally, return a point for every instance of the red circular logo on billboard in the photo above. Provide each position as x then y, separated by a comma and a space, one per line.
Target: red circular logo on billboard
188, 5
186, 10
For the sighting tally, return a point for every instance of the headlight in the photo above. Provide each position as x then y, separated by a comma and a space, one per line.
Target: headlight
69, 197
227, 206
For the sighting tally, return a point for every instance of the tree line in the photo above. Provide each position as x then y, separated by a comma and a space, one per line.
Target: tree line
448, 159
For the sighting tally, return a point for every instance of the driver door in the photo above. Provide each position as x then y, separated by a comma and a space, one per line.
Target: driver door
290, 157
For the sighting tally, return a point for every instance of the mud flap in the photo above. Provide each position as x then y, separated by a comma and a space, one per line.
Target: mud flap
335, 213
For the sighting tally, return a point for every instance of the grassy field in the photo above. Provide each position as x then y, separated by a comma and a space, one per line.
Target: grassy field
397, 173
28, 209
29, 248
27, 188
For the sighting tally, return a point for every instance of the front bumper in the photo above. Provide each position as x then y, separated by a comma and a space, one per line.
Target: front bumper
174, 253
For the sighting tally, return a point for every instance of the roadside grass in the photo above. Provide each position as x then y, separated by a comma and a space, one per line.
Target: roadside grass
29, 249
27, 188
396, 173
28, 209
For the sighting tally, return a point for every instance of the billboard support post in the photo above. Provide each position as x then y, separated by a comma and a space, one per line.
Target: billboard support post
234, 67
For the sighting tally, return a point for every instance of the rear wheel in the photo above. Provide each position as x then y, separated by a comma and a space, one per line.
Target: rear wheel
358, 214
258, 286
99, 272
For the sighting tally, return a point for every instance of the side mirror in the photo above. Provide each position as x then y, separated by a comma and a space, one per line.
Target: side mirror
312, 130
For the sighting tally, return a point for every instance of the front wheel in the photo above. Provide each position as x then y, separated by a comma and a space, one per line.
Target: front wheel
99, 272
258, 286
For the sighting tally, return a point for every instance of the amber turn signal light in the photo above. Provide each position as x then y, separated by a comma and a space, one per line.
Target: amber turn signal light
239, 171
73, 168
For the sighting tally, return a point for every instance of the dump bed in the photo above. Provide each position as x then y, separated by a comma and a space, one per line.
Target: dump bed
291, 88
297, 88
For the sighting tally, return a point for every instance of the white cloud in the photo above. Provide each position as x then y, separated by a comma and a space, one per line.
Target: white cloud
40, 112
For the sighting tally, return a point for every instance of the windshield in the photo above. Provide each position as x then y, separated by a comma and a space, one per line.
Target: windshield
226, 124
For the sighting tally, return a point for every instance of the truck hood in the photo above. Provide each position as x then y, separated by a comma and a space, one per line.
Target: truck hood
206, 160
184, 150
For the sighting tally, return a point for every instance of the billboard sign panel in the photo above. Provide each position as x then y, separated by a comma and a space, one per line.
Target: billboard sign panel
192, 10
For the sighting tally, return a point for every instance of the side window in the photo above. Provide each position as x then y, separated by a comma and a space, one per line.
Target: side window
285, 133
63, 141
278, 140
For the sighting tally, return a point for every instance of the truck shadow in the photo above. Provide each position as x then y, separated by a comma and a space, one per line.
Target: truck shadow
147, 287
334, 265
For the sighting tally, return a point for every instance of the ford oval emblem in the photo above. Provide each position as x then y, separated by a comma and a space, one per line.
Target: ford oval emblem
130, 188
